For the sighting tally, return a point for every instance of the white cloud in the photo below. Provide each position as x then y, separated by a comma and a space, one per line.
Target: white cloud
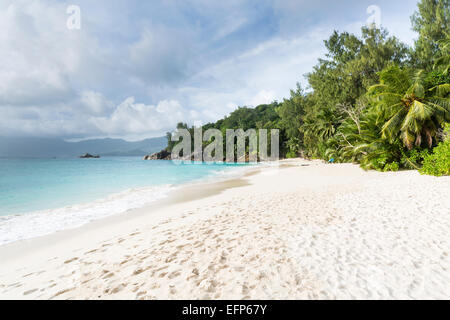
139, 118
161, 55
33, 66
263, 96
259, 75
58, 120
183, 61
231, 25
95, 102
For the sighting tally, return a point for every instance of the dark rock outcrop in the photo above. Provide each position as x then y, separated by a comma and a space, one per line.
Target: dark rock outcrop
88, 156
165, 155
162, 155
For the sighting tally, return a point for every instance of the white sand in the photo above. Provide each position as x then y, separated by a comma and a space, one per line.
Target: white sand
301, 232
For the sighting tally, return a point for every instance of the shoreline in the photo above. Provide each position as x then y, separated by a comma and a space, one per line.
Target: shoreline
137, 197
304, 230
185, 192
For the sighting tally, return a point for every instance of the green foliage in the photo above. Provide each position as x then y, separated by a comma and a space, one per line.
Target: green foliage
341, 81
393, 166
381, 155
368, 107
291, 155
170, 143
443, 63
438, 163
446, 132
436, 78
432, 23
413, 159
262, 117
371, 100
408, 108
291, 113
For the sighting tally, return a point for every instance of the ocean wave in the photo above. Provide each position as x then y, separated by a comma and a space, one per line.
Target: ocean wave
232, 173
39, 223
44, 222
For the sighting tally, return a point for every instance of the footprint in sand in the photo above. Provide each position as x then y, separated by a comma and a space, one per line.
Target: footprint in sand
108, 275
62, 292
118, 288
70, 260
14, 284
29, 292
174, 274
92, 251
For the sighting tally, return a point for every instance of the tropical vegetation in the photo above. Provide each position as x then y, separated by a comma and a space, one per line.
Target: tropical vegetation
371, 100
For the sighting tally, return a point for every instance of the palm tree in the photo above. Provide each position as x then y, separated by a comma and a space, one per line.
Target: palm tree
363, 144
317, 128
408, 109
444, 61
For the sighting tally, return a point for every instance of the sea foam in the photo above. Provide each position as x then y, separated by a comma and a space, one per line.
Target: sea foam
44, 222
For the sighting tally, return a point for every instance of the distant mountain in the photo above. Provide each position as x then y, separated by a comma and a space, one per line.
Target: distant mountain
50, 147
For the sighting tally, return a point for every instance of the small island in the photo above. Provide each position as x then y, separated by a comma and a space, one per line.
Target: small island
89, 156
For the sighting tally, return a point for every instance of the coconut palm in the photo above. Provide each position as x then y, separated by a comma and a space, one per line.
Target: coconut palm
408, 109
444, 61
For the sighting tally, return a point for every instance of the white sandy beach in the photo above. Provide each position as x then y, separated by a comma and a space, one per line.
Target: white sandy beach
306, 230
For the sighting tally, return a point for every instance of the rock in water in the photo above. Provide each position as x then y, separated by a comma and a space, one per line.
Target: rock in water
88, 155
162, 155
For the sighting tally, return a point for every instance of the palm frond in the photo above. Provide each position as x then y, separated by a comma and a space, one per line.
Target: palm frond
441, 90
392, 127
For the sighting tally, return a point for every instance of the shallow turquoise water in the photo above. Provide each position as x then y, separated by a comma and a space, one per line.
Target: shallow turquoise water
28, 185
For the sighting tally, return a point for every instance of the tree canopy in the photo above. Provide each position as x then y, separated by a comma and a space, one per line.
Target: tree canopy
371, 99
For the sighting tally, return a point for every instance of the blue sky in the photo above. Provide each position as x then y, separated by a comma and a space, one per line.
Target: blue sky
136, 68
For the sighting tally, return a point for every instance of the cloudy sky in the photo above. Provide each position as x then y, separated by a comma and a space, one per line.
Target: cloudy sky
136, 68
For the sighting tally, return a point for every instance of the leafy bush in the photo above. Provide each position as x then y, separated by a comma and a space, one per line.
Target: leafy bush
438, 163
381, 155
413, 159
291, 155
445, 135
393, 166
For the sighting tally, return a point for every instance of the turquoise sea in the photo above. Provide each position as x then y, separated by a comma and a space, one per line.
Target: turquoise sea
40, 196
